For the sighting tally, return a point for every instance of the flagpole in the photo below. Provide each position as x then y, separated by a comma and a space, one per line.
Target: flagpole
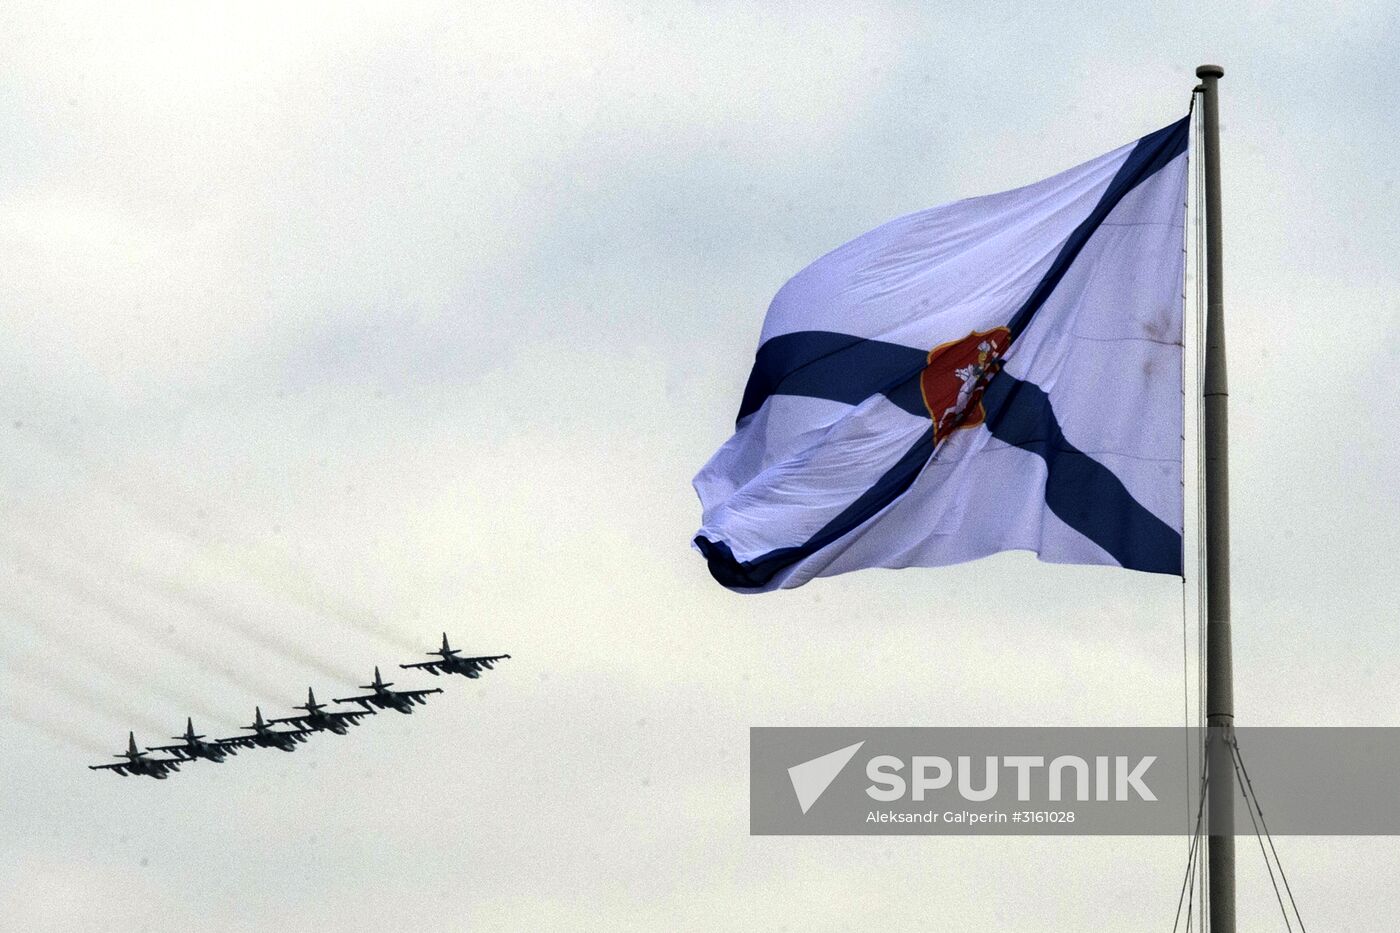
1220, 701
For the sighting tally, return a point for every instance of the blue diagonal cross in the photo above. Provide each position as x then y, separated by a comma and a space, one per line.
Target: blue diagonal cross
1082, 492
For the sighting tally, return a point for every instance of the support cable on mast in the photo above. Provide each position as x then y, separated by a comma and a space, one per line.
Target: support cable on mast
1252, 798
1192, 860
1234, 759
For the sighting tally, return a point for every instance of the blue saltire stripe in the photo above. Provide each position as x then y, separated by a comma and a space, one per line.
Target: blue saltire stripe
759, 571
839, 367
1080, 491
1149, 156
1083, 493
843, 368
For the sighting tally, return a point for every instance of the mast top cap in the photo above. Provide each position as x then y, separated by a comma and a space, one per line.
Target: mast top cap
1210, 71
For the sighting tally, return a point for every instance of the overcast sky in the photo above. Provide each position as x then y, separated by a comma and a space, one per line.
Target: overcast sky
328, 328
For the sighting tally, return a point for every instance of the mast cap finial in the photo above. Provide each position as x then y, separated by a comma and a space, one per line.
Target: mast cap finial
1210, 71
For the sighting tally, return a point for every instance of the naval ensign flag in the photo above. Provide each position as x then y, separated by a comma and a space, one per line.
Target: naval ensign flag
995, 374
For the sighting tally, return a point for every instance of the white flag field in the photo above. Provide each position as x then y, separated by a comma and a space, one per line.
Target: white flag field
1000, 373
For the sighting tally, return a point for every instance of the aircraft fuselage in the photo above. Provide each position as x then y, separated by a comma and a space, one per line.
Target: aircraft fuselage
206, 751
465, 668
143, 768
327, 724
395, 703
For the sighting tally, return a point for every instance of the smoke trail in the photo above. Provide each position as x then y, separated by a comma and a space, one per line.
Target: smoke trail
187, 700
272, 577
174, 589
266, 640
283, 581
362, 620
94, 700
57, 730
297, 590
192, 707
252, 684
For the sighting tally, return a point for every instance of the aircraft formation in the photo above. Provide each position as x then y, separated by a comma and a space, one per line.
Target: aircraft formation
315, 717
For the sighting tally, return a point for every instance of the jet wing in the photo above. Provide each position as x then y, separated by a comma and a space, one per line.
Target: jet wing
432, 667
290, 719
180, 752
236, 741
474, 665
352, 718
364, 700
418, 695
482, 663
121, 767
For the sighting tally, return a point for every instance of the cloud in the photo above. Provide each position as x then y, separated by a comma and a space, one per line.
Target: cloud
369, 319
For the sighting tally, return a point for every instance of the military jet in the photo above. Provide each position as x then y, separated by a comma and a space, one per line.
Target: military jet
384, 698
450, 663
264, 736
137, 762
318, 721
192, 746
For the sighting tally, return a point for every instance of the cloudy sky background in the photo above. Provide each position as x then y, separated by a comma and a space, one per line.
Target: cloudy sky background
332, 327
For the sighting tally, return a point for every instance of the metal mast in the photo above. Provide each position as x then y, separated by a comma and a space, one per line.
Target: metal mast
1220, 700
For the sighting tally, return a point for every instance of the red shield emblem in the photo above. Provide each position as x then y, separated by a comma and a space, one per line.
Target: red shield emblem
956, 376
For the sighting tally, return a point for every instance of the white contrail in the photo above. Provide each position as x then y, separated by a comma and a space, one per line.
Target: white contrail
253, 684
187, 700
212, 610
221, 616
97, 701
57, 730
281, 579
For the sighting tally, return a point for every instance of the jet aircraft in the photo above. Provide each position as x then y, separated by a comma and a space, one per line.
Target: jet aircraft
317, 720
192, 746
450, 662
384, 698
137, 762
264, 736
